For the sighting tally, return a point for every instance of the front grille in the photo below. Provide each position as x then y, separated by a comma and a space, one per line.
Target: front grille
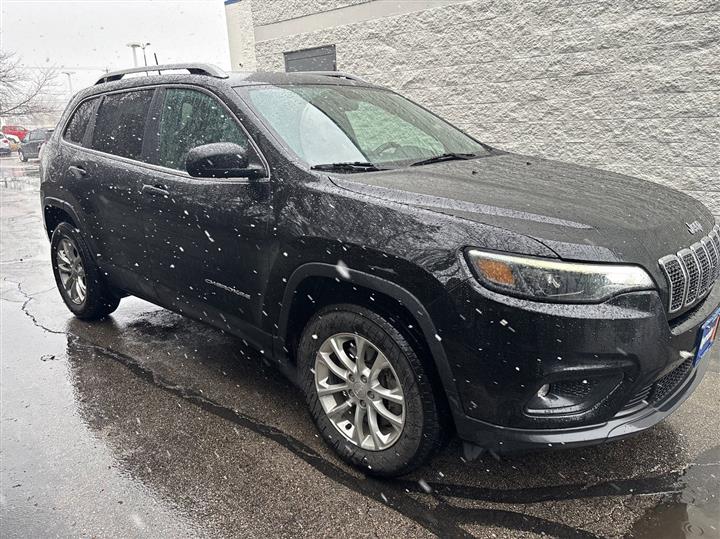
714, 255
692, 272
706, 270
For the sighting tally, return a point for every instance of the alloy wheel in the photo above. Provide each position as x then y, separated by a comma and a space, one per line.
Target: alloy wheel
71, 270
359, 391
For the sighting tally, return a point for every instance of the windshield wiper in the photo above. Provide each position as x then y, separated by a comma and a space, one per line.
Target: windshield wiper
349, 166
444, 157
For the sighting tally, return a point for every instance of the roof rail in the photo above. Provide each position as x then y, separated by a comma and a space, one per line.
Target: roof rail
338, 74
195, 69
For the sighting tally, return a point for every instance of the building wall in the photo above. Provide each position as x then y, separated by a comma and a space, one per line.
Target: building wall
623, 85
266, 12
241, 34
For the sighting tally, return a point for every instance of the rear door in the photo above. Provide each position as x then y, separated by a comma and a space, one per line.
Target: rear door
71, 159
112, 175
206, 237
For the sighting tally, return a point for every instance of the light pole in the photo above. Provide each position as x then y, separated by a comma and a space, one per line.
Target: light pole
69, 76
135, 46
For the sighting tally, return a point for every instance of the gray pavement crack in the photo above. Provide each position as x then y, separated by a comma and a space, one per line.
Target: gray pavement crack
33, 318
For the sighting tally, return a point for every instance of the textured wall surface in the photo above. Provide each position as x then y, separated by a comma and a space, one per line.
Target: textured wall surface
270, 11
629, 86
239, 20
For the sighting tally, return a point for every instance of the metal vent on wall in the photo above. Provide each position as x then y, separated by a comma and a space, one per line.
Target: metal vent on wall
315, 59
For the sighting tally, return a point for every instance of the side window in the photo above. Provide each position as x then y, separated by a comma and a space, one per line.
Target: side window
75, 130
191, 118
120, 124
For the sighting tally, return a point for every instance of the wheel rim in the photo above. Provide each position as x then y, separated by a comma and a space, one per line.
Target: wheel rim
71, 270
359, 391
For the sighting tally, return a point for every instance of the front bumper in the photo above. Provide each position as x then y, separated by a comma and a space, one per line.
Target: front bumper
507, 440
504, 349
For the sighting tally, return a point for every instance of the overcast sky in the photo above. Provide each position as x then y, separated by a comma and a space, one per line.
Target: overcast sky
88, 36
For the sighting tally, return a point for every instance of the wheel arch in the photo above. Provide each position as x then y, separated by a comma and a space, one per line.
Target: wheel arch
56, 211
388, 299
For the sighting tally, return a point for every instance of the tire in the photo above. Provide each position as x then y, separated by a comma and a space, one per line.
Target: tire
386, 453
72, 262
22, 156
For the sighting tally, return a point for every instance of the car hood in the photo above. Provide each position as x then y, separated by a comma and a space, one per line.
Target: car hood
580, 213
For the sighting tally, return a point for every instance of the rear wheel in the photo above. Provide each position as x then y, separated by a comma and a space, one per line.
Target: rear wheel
78, 278
368, 391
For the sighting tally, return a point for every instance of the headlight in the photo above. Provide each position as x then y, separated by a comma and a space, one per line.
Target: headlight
552, 280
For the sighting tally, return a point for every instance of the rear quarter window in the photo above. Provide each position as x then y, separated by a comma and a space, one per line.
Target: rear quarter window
76, 127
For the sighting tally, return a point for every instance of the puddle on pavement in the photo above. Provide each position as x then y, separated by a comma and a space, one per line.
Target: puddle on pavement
694, 511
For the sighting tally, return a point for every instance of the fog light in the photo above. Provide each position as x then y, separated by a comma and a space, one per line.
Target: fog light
572, 395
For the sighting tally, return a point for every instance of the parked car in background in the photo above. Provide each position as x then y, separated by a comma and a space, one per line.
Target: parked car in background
5, 146
33, 141
19, 131
14, 142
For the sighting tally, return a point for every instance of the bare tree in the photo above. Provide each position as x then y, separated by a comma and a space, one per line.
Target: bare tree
24, 92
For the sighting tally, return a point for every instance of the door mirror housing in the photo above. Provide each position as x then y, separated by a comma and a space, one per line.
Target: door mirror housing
221, 160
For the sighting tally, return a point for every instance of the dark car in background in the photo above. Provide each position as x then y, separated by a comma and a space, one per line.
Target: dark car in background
32, 143
413, 281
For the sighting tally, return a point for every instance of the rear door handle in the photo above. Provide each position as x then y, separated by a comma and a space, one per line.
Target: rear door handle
77, 171
158, 190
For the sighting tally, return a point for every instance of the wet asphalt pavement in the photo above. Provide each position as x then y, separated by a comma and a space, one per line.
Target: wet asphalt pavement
152, 425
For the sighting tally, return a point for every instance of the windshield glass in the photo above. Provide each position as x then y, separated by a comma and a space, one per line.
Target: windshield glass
339, 124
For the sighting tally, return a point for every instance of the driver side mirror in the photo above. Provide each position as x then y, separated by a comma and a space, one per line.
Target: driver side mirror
221, 160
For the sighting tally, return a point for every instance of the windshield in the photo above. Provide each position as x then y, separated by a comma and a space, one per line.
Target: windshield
344, 124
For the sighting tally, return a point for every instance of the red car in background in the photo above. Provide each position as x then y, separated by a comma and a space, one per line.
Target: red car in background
16, 130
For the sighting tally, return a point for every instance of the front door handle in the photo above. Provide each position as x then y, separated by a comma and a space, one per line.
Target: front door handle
158, 190
77, 171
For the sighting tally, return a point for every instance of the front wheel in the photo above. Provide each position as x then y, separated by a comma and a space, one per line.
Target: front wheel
78, 278
368, 391
22, 156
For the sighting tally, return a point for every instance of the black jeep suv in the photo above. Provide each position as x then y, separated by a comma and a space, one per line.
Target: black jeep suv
412, 280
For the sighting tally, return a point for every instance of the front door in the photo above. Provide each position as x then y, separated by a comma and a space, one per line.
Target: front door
206, 237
